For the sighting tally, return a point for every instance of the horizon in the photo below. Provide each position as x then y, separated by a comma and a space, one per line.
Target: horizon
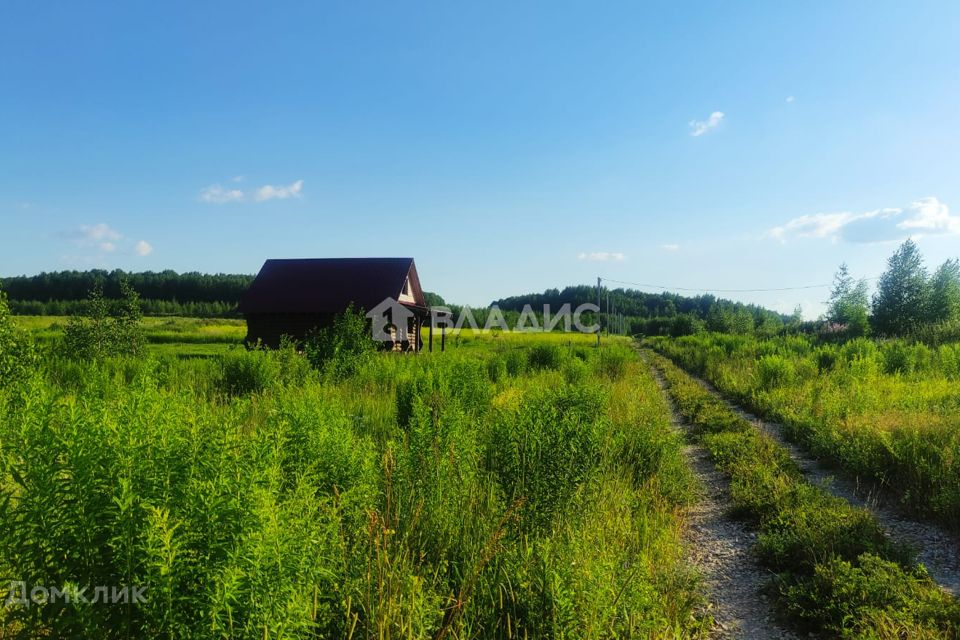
507, 149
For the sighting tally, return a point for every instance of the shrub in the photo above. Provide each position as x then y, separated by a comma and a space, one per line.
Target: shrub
96, 334
856, 598
496, 368
544, 356
611, 362
775, 371
464, 382
544, 451
18, 356
516, 362
244, 372
342, 348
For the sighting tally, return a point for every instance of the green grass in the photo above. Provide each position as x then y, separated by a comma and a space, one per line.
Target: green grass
181, 337
887, 413
837, 573
518, 487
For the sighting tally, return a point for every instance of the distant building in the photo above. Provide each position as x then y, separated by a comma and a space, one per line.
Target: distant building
292, 297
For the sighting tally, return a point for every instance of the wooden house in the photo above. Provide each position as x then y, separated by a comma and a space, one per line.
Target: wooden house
292, 297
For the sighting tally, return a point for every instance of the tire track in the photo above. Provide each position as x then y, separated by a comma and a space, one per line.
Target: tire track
720, 548
937, 549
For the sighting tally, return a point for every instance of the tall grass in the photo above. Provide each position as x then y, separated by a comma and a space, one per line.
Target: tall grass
837, 572
884, 412
491, 492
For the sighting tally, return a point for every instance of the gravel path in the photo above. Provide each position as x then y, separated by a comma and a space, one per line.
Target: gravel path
937, 549
719, 547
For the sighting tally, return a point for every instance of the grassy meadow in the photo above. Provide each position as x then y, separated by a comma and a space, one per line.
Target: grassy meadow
837, 573
887, 412
515, 486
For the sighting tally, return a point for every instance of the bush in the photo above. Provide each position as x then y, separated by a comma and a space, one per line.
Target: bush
96, 334
544, 356
244, 372
544, 451
516, 362
341, 349
18, 356
856, 598
611, 362
775, 371
902, 358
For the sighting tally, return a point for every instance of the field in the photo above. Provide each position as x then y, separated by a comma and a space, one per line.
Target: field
885, 413
516, 485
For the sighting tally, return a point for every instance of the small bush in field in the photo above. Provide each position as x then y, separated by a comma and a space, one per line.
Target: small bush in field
516, 362
294, 366
463, 382
854, 599
496, 369
775, 371
611, 362
544, 356
342, 348
17, 353
826, 358
98, 334
244, 372
543, 453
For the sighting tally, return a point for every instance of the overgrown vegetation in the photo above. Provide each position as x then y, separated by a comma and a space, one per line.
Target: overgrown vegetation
883, 412
497, 490
341, 349
98, 334
837, 573
17, 352
908, 302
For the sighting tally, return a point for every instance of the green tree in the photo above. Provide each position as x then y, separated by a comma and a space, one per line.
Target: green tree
849, 302
17, 352
88, 335
901, 303
97, 334
128, 333
945, 292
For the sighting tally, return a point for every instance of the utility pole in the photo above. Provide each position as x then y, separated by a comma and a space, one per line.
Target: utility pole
598, 312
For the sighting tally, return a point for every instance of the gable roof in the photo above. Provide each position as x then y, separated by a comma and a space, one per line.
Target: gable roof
329, 285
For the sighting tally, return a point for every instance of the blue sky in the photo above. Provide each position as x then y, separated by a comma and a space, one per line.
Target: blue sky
508, 147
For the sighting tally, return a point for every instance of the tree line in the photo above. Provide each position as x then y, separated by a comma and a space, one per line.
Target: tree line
162, 293
661, 313
909, 301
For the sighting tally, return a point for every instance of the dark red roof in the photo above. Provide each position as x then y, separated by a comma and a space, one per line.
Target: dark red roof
329, 285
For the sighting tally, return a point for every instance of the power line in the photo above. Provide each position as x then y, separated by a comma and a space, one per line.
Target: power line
708, 290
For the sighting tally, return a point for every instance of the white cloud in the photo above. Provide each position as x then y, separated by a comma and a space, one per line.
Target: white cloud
926, 216
818, 225
791, 99
101, 239
931, 216
143, 248
99, 235
216, 194
670, 247
602, 256
270, 192
96, 233
700, 127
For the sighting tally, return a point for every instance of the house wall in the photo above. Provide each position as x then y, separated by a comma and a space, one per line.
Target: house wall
269, 328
